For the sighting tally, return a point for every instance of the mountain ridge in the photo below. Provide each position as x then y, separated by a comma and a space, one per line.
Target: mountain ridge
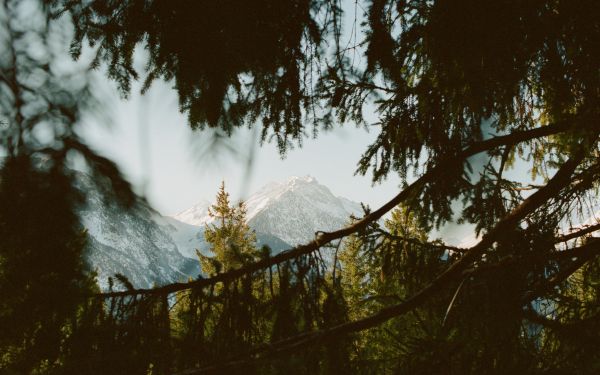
153, 249
292, 210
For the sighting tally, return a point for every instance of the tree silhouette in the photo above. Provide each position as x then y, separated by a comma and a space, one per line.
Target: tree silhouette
515, 83
44, 280
511, 81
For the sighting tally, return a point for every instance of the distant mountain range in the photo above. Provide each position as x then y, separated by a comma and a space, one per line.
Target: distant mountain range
151, 249
292, 210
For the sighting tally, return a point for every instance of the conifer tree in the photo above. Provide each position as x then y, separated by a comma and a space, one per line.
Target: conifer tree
231, 240
380, 267
356, 273
43, 279
43, 276
513, 82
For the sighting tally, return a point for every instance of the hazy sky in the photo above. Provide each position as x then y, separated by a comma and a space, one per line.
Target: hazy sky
173, 168
171, 165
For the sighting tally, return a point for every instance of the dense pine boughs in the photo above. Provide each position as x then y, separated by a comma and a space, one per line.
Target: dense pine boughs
250, 61
487, 110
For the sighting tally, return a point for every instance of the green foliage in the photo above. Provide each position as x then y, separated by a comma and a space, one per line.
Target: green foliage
440, 76
249, 60
231, 241
481, 327
572, 323
379, 268
44, 282
42, 277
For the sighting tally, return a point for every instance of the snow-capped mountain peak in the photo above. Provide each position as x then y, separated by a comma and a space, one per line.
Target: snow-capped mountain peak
297, 208
195, 215
292, 210
308, 179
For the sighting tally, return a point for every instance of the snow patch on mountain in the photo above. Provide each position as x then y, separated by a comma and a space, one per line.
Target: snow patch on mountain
196, 215
188, 238
130, 241
292, 210
151, 249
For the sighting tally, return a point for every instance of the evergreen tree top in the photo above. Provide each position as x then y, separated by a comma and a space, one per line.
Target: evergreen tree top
231, 240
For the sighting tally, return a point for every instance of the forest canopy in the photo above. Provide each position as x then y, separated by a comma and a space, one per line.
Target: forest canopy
439, 82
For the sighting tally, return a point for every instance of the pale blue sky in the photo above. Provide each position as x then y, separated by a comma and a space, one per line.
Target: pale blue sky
167, 162
150, 140
164, 159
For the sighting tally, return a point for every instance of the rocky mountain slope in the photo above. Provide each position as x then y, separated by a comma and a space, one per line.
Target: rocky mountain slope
151, 249
190, 238
134, 242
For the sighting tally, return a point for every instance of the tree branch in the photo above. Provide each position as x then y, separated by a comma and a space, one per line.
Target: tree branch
326, 237
452, 274
587, 252
415, 241
579, 233
536, 318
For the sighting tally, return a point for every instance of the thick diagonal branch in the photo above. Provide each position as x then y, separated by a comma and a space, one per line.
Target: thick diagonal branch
585, 254
326, 237
579, 233
560, 180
